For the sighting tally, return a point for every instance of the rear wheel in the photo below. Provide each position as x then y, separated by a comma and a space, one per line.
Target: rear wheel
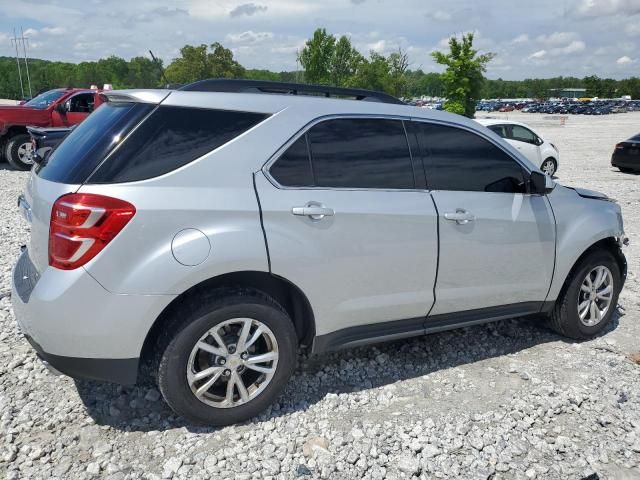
228, 359
589, 297
19, 152
549, 167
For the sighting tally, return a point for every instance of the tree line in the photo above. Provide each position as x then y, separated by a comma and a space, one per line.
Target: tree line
325, 59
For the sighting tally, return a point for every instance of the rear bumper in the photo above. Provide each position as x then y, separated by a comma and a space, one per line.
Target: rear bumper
80, 328
117, 370
626, 161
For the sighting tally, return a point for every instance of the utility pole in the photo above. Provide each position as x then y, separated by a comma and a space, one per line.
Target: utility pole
25, 41
15, 40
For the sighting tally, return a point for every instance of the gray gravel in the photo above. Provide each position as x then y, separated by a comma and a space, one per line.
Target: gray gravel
506, 400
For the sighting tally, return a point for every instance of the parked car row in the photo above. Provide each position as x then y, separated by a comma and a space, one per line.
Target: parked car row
593, 107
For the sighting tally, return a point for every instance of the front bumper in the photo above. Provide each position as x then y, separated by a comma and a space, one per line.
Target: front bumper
78, 327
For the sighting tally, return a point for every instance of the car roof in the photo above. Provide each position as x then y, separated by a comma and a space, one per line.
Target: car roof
497, 121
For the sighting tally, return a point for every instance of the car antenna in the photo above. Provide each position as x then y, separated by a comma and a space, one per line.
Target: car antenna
157, 62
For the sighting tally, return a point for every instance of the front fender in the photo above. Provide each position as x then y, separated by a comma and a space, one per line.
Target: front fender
580, 223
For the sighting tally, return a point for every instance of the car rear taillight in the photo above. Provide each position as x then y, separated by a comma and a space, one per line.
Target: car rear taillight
82, 224
620, 146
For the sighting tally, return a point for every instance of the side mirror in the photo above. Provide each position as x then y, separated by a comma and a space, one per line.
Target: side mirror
539, 183
41, 155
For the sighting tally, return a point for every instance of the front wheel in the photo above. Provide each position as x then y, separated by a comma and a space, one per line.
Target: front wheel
549, 167
229, 359
589, 297
19, 152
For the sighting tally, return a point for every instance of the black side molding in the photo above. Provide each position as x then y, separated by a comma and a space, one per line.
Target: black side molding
414, 327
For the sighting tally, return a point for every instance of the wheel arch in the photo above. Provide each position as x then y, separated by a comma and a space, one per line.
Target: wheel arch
609, 244
285, 292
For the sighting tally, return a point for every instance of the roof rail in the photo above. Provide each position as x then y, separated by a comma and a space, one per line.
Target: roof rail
263, 86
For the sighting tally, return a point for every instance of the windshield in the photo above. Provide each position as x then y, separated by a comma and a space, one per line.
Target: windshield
89, 143
45, 99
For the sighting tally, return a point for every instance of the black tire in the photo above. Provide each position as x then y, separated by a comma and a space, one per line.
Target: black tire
555, 165
193, 320
564, 318
11, 151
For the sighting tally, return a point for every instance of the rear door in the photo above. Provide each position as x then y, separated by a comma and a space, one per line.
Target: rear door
348, 220
497, 242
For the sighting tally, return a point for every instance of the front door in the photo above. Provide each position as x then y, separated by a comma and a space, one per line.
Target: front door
345, 222
497, 242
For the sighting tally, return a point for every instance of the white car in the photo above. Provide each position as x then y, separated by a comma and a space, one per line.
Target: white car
530, 144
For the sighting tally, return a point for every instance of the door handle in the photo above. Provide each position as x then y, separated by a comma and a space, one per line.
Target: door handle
313, 211
461, 217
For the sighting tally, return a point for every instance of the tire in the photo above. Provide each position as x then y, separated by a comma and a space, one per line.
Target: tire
553, 166
192, 323
565, 318
15, 152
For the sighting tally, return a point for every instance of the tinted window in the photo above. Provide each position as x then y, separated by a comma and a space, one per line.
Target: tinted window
170, 138
361, 153
81, 103
293, 168
456, 159
523, 134
499, 129
85, 147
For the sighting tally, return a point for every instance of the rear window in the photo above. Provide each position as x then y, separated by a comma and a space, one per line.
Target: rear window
170, 138
88, 144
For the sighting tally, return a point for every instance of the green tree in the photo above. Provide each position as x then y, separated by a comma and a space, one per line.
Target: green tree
317, 56
398, 66
198, 63
373, 74
463, 77
345, 62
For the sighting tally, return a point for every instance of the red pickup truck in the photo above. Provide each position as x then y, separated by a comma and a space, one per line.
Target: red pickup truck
55, 108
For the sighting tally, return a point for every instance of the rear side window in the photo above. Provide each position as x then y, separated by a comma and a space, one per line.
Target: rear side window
361, 153
170, 138
500, 130
293, 168
85, 147
457, 159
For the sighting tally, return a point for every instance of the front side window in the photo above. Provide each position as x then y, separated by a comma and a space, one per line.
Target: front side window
457, 159
361, 153
170, 138
522, 134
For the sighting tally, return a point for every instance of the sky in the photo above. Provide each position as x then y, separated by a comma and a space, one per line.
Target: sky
531, 38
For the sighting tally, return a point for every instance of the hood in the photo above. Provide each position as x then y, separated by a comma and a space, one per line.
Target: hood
585, 193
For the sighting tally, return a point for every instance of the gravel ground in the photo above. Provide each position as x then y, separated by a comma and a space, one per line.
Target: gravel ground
506, 400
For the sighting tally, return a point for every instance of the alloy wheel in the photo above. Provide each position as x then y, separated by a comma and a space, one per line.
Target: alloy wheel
549, 167
594, 298
25, 153
232, 363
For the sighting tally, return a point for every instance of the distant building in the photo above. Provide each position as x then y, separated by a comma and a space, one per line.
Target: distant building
568, 92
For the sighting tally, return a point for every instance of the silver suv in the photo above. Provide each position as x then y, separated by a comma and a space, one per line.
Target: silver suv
204, 234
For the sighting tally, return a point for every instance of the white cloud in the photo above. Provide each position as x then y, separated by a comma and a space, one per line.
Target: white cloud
625, 60
574, 47
556, 39
538, 54
632, 29
439, 16
249, 37
522, 38
599, 8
